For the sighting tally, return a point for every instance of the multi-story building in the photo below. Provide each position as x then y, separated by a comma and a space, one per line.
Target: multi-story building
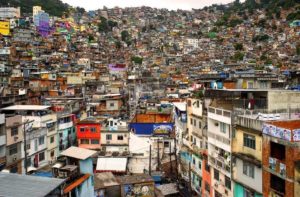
247, 156
115, 136
281, 156
89, 134
10, 12
2, 142
66, 130
14, 144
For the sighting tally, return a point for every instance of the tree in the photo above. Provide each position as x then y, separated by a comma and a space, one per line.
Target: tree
118, 44
238, 46
238, 56
125, 35
137, 59
91, 38
298, 49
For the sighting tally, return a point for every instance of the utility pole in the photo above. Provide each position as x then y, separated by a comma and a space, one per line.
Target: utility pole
25, 144
158, 164
150, 155
190, 180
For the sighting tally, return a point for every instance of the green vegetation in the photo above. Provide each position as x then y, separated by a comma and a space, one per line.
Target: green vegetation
106, 25
53, 7
238, 56
293, 16
298, 49
260, 38
137, 59
238, 46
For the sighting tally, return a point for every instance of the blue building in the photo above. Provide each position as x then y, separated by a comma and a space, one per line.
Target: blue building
76, 165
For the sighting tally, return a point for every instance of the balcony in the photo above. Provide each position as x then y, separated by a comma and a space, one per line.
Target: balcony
66, 125
220, 163
249, 122
219, 141
276, 166
219, 115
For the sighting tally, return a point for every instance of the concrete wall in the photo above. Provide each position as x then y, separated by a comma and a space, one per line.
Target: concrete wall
114, 139
283, 100
254, 183
238, 144
10, 122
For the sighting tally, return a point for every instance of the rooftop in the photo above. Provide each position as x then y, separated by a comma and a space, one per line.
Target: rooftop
78, 153
26, 107
16, 185
105, 179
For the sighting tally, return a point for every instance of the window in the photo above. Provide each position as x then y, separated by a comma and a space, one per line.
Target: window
108, 137
248, 193
82, 129
166, 144
217, 194
194, 161
195, 122
199, 124
223, 127
41, 140
111, 104
249, 141
14, 131
52, 154
191, 120
216, 174
27, 146
198, 104
277, 151
51, 139
199, 164
277, 184
42, 156
207, 168
94, 141
227, 182
189, 103
84, 141
93, 130
248, 169
207, 187
13, 149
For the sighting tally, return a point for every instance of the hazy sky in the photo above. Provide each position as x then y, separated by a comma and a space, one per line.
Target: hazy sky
170, 4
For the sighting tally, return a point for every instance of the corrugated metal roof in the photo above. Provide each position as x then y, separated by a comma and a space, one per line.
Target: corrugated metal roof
16, 185
26, 107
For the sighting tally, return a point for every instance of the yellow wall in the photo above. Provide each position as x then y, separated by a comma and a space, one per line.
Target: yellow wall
4, 28
238, 144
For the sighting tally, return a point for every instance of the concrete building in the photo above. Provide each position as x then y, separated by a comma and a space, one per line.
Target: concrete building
280, 149
10, 12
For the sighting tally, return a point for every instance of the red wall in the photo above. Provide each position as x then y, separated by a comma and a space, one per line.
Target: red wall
206, 178
87, 134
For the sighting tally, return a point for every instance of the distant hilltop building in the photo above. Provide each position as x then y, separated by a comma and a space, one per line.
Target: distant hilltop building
10, 12
36, 10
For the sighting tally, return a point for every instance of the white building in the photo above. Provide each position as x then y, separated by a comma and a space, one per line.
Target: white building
10, 12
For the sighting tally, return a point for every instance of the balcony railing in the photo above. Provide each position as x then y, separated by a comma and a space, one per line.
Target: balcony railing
219, 138
277, 166
218, 111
